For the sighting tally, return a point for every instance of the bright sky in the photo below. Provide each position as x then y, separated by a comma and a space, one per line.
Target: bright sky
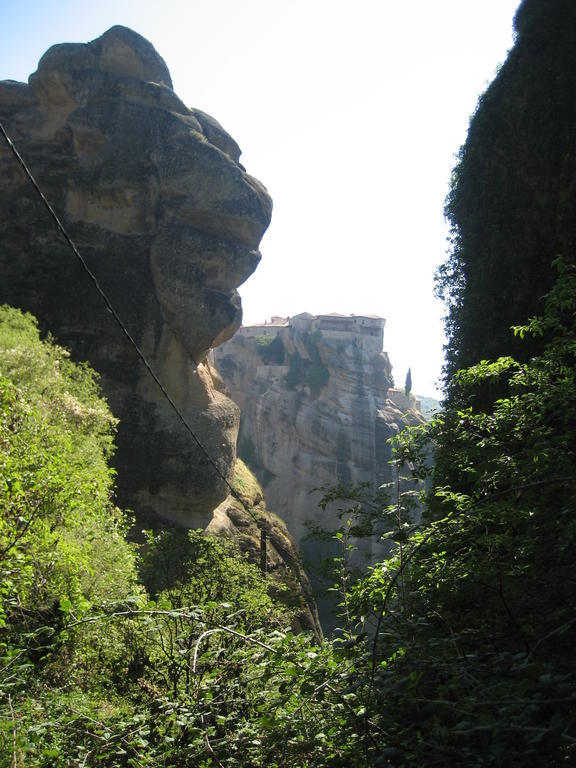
350, 113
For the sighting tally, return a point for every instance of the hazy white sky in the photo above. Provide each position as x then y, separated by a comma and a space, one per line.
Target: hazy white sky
350, 113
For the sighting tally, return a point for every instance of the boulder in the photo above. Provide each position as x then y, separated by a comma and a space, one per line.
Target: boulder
168, 221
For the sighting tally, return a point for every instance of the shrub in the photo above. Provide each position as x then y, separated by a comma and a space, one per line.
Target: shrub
317, 378
270, 349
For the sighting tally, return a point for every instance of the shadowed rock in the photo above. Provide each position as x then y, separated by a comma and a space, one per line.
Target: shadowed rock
153, 195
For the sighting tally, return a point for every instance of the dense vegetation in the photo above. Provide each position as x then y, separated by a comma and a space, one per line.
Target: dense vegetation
457, 649
309, 370
271, 349
95, 667
512, 204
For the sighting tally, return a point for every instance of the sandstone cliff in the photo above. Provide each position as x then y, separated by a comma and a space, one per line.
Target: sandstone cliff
168, 220
313, 392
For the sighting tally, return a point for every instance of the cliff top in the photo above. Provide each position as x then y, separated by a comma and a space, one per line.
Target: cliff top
335, 317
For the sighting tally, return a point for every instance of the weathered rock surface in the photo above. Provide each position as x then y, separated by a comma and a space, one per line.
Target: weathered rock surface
169, 222
313, 393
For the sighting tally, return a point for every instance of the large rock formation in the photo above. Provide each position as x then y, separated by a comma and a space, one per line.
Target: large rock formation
317, 410
169, 222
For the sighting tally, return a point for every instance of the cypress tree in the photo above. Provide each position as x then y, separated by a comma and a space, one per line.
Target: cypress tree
408, 384
512, 204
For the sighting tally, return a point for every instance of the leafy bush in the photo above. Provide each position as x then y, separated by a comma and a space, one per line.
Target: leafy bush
317, 378
311, 371
58, 518
270, 349
63, 551
459, 648
474, 617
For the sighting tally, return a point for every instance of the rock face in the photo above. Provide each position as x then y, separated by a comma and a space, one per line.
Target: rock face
315, 412
285, 574
168, 220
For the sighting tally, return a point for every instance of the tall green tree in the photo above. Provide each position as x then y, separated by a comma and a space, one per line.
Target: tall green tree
57, 517
408, 383
512, 203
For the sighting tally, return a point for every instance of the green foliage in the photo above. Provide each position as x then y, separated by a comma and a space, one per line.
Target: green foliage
311, 340
317, 378
317, 375
456, 649
92, 671
271, 349
510, 205
62, 546
475, 620
186, 568
311, 370
463, 639
55, 491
